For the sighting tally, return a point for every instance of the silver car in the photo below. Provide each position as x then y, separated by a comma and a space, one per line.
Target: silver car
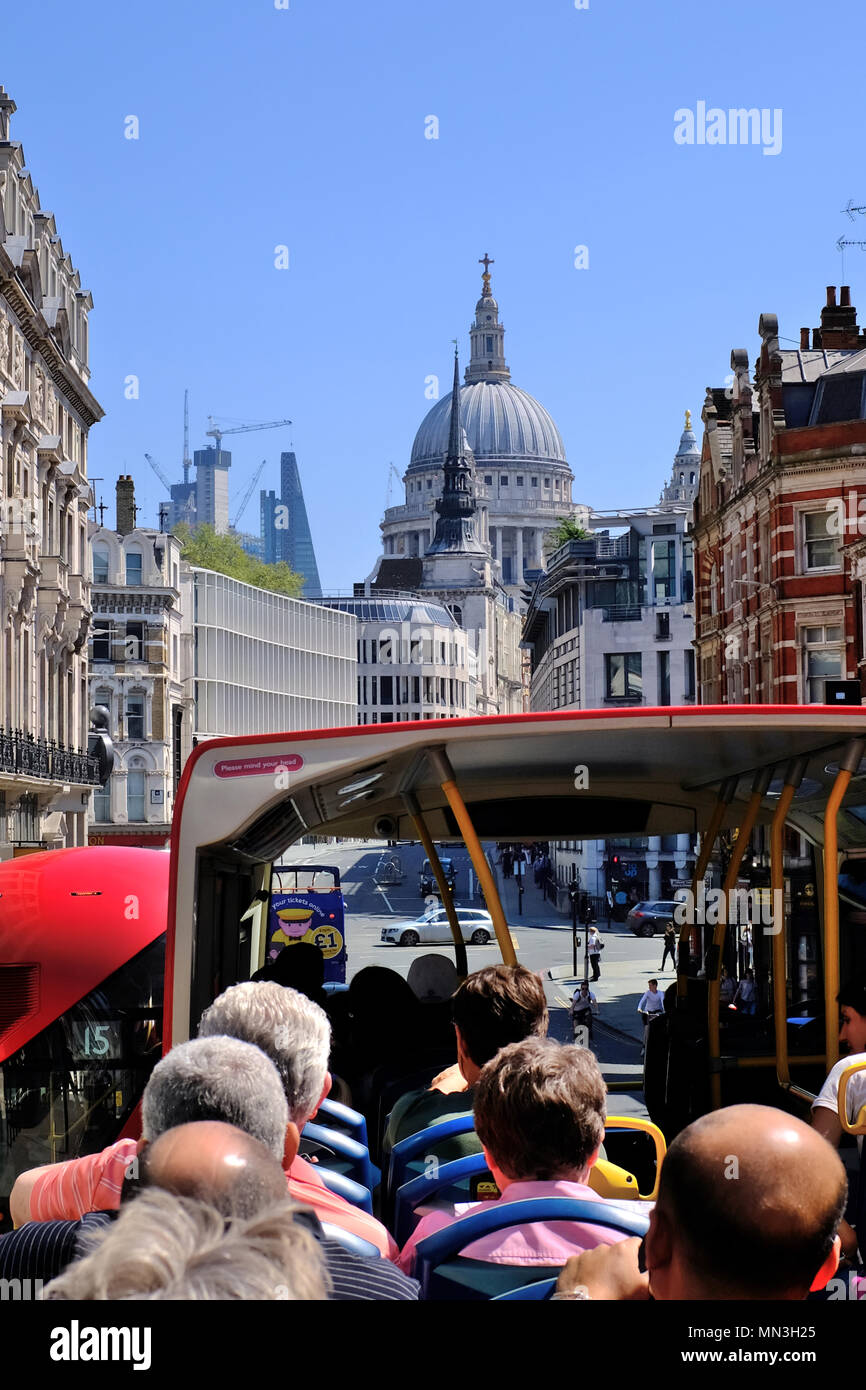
431, 928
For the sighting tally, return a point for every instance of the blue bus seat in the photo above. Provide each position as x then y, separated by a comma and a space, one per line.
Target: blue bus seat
443, 1275
349, 1156
449, 1183
350, 1241
346, 1187
389, 1082
528, 1292
419, 1145
343, 1117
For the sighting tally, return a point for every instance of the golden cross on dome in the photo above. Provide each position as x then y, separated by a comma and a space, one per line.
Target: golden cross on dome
486, 262
688, 419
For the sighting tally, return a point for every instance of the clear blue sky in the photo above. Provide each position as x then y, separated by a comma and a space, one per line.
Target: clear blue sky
305, 127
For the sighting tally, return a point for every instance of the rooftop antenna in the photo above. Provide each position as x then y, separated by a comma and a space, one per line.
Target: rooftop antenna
852, 208
840, 247
187, 461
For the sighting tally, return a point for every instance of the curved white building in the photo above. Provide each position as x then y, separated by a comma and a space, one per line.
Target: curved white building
523, 482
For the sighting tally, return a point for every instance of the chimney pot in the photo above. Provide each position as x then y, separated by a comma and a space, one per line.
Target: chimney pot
831, 296
804, 339
845, 296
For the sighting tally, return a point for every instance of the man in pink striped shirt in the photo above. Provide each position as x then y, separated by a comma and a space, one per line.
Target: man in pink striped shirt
539, 1113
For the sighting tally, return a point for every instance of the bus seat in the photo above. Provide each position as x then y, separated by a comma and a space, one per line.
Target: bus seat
420, 1144
350, 1241
343, 1117
346, 1187
445, 1276
389, 1083
527, 1292
450, 1183
348, 1156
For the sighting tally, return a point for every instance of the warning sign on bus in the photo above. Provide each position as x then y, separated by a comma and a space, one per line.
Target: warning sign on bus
259, 767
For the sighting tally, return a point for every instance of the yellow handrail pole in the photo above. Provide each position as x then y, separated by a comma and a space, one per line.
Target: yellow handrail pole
708, 839
714, 960
432, 853
441, 765
847, 767
793, 778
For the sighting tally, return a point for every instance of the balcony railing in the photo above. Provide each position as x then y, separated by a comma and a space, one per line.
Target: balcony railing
27, 756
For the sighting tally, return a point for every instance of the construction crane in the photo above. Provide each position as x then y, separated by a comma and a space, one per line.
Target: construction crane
392, 474
248, 494
187, 461
159, 473
216, 433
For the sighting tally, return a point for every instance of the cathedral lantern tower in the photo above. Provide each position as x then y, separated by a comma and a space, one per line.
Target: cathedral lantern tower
487, 336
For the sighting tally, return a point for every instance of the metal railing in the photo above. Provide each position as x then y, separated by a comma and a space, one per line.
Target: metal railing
28, 756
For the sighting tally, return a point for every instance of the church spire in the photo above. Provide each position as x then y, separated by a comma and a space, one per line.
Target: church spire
455, 524
487, 335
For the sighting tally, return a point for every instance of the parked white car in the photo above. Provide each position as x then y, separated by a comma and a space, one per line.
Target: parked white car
432, 928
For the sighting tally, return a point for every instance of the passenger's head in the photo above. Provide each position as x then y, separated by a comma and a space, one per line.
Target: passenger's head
215, 1163
654, 984
289, 1027
164, 1247
540, 1110
433, 979
498, 1005
216, 1079
748, 1205
852, 1011
300, 966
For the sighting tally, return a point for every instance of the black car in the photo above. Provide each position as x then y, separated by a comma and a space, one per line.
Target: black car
427, 883
645, 919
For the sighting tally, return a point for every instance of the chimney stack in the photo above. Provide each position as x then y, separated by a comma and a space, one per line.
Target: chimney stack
838, 324
804, 340
125, 504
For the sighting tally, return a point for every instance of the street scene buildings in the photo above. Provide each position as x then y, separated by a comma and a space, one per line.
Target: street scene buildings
46, 411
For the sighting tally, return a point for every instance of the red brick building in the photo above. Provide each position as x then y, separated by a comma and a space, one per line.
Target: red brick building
780, 517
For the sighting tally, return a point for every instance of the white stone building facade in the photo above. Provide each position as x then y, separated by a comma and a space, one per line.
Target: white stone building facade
140, 670
414, 660
46, 411
266, 663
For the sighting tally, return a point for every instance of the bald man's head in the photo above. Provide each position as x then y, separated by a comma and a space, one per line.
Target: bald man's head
749, 1202
217, 1163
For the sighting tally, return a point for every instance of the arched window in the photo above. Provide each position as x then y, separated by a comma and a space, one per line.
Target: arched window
691, 477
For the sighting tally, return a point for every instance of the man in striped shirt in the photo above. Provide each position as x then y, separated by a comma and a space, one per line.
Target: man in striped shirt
229, 1170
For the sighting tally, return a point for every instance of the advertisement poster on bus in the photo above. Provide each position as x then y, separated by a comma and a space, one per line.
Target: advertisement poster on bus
307, 905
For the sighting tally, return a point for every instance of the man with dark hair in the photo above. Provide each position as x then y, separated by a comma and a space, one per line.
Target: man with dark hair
749, 1203
539, 1113
495, 1006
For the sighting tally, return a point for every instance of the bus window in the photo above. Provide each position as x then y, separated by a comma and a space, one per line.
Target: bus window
70, 1090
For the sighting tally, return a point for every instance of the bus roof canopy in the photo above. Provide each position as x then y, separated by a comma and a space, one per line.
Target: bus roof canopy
575, 774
